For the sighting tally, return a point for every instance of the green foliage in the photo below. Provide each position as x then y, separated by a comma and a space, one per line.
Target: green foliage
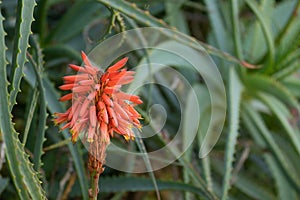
235, 93
258, 153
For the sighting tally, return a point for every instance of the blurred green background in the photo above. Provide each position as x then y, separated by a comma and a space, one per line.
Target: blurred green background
258, 153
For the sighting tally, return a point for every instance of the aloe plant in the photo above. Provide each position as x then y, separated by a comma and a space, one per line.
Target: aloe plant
255, 46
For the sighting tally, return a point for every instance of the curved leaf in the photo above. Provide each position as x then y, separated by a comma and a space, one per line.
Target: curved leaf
23, 30
246, 184
53, 105
288, 170
131, 10
24, 177
133, 184
266, 30
235, 91
269, 85
205, 116
83, 12
284, 187
142, 148
281, 111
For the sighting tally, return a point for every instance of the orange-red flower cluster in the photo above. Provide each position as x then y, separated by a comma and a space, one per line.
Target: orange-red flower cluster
98, 104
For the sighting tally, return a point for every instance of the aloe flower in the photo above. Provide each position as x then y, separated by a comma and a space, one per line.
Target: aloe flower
99, 110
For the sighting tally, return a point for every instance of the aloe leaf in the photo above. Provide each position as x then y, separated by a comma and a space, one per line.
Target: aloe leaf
58, 51
142, 148
196, 178
23, 25
83, 12
205, 116
269, 85
266, 30
235, 90
289, 34
190, 128
293, 85
218, 25
236, 28
175, 16
3, 184
131, 10
24, 177
246, 184
287, 169
281, 112
41, 19
133, 184
40, 138
55, 106
37, 65
284, 187
29, 114
290, 67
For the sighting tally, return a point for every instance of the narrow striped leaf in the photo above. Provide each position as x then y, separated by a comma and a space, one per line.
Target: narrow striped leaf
281, 112
288, 170
269, 85
24, 177
131, 10
266, 30
205, 116
133, 184
246, 184
218, 26
285, 189
3, 184
236, 28
142, 148
190, 128
22, 32
235, 90
77, 17
32, 103
53, 106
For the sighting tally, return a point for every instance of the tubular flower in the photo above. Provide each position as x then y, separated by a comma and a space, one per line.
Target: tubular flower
99, 108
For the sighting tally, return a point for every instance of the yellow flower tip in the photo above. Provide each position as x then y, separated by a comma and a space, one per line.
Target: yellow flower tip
130, 126
105, 141
55, 123
139, 127
128, 137
90, 140
74, 140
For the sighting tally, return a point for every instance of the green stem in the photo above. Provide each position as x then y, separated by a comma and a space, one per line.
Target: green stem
95, 180
57, 145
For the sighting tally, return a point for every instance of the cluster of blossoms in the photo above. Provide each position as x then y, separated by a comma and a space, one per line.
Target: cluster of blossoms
99, 108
